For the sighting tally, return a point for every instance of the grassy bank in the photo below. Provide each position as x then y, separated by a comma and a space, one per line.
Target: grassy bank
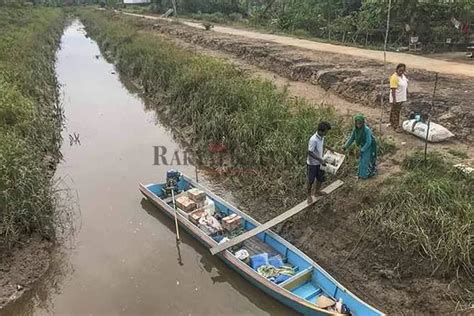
30, 122
429, 209
264, 130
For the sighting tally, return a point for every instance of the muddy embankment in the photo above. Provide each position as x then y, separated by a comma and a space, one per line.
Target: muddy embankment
30, 126
354, 79
182, 85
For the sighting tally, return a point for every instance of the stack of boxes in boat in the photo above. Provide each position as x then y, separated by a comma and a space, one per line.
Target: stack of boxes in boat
231, 222
185, 204
199, 198
195, 205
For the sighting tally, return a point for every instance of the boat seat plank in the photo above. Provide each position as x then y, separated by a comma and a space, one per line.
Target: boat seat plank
277, 220
306, 291
298, 279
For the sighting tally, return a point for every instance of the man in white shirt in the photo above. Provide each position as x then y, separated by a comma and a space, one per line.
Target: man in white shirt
315, 159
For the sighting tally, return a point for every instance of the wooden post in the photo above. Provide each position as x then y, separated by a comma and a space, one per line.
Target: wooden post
384, 63
429, 116
174, 8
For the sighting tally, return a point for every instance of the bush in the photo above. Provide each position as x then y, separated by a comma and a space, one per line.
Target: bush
301, 33
235, 17
216, 17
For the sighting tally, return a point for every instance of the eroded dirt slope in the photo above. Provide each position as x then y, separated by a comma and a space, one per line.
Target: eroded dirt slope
21, 267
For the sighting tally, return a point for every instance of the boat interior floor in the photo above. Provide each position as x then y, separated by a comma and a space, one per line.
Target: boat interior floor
255, 246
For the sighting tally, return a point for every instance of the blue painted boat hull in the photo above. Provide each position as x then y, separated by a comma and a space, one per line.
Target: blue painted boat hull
302, 297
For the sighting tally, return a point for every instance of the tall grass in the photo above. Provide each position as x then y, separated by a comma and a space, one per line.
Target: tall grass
429, 209
30, 122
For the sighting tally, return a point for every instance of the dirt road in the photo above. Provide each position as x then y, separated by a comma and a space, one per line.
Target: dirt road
414, 61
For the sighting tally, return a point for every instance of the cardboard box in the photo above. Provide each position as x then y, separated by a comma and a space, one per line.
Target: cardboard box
186, 204
196, 195
228, 218
196, 215
333, 162
231, 222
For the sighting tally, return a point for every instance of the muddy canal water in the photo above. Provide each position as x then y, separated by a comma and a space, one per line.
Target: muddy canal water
124, 258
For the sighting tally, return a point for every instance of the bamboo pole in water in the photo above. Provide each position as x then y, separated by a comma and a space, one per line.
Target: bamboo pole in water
175, 216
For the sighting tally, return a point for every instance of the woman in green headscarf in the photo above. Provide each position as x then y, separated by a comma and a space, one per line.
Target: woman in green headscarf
363, 137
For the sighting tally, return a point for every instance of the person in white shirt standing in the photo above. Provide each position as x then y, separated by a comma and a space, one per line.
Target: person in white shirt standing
315, 159
398, 95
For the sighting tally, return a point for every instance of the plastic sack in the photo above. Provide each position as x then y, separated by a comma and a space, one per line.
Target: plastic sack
437, 133
209, 206
209, 224
258, 260
281, 278
242, 254
276, 261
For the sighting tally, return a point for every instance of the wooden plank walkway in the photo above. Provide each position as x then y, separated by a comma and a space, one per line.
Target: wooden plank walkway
277, 220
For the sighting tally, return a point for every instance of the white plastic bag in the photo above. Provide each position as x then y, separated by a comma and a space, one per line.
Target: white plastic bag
438, 133
242, 254
210, 206
209, 224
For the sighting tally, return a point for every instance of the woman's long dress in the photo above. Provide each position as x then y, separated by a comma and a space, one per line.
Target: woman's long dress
368, 153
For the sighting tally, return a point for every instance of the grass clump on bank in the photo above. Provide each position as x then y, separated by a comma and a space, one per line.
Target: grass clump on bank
30, 122
429, 209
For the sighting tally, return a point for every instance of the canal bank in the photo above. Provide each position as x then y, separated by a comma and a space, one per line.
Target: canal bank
31, 216
124, 259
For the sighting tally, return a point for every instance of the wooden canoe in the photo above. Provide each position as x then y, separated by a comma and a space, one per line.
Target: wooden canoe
310, 284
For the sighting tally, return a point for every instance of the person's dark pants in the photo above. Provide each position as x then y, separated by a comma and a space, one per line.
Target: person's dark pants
315, 173
395, 114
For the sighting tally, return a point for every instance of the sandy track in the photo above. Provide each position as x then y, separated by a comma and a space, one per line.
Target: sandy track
414, 61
